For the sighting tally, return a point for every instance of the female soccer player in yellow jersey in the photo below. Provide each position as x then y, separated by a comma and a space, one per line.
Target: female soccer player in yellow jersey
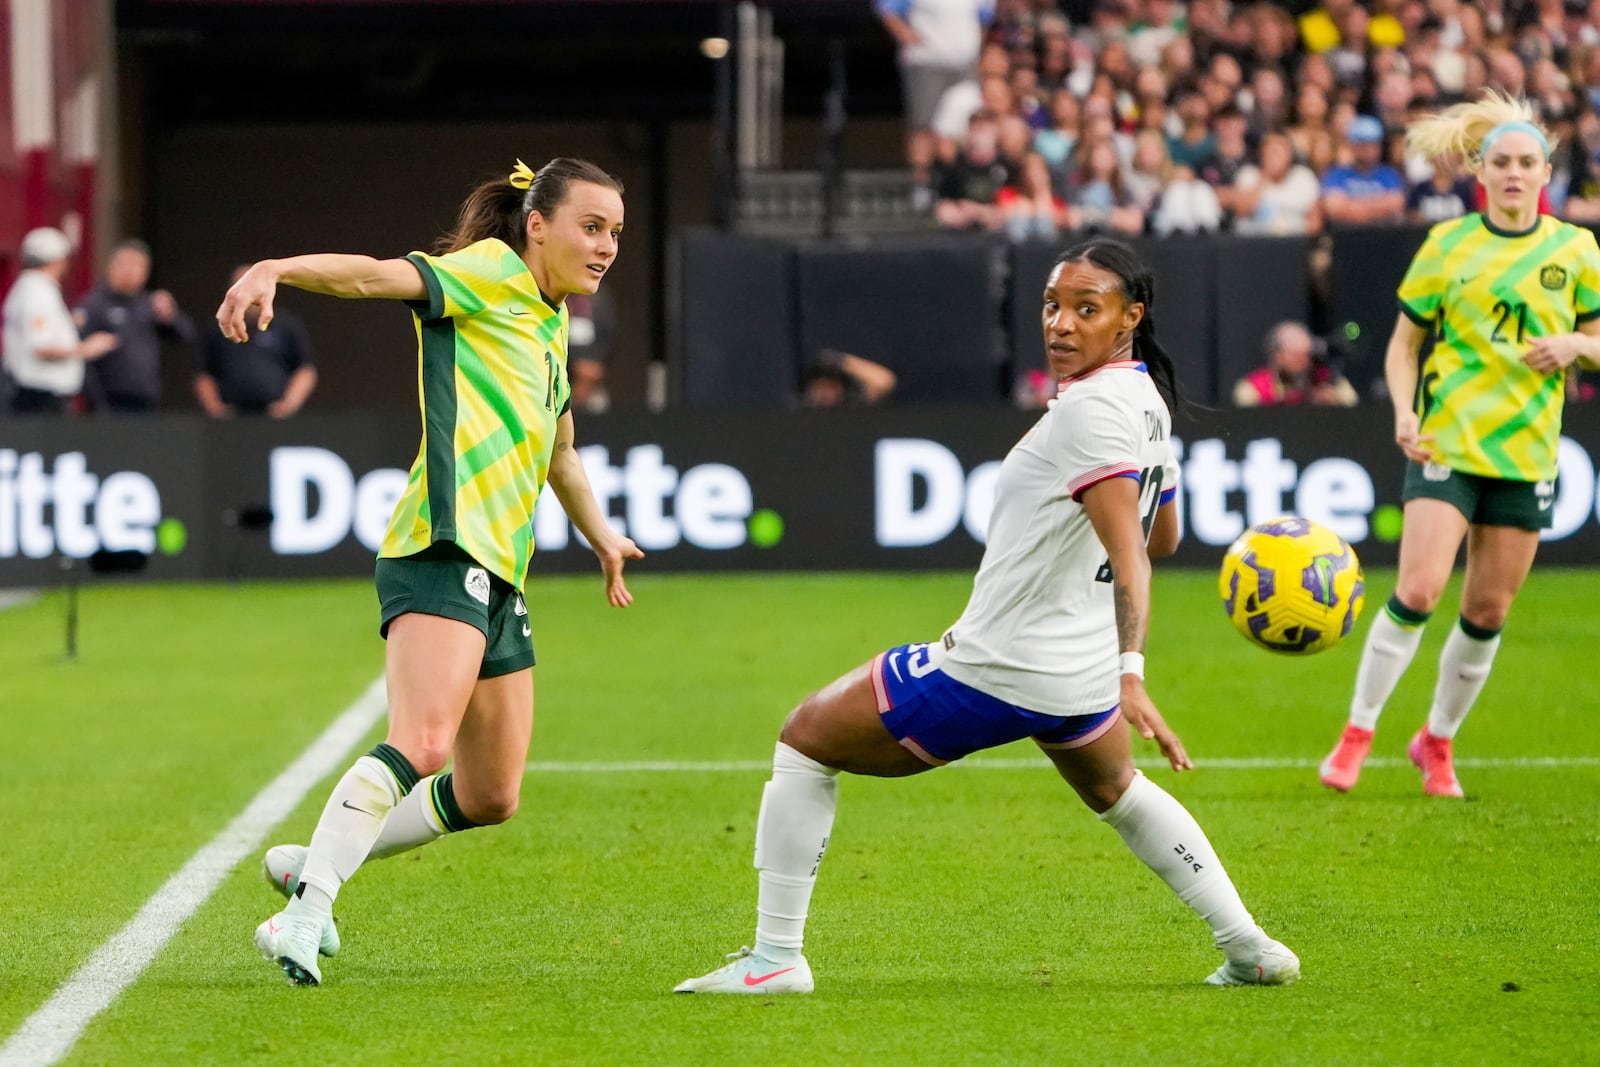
1050, 646
1512, 300
492, 332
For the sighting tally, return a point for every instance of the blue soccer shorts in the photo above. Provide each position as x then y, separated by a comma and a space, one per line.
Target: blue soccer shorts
941, 720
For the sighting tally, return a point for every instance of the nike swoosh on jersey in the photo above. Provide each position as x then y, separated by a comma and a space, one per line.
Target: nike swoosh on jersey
894, 665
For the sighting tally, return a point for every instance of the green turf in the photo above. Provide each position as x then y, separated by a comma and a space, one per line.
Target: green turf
970, 916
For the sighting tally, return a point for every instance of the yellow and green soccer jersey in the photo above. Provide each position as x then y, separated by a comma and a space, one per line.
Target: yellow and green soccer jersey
1486, 294
492, 359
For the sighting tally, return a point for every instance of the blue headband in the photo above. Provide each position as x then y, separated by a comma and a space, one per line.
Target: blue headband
1516, 126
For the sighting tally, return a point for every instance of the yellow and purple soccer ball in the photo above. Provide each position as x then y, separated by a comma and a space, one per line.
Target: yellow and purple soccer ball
1292, 586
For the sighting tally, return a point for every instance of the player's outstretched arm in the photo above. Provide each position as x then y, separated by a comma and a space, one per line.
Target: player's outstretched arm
333, 273
571, 485
1113, 508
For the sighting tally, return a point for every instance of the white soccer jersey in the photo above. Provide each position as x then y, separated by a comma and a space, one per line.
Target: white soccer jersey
1040, 630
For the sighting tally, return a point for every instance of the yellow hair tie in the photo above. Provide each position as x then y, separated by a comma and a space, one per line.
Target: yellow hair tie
521, 176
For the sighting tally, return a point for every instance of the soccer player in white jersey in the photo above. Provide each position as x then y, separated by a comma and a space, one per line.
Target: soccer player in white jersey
1051, 645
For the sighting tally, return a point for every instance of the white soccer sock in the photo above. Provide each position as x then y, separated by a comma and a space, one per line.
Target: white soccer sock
1463, 669
792, 831
1388, 652
350, 823
1163, 834
411, 824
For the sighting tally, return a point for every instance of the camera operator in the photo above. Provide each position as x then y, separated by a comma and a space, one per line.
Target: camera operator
1298, 371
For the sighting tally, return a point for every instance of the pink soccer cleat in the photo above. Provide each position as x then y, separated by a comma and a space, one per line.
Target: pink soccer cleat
1343, 766
1432, 756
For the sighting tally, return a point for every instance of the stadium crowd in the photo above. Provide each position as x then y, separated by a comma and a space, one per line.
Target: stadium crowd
1034, 117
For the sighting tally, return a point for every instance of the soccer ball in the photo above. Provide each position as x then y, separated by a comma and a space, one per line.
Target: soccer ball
1292, 586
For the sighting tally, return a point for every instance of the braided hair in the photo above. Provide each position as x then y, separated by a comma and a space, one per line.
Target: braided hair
1138, 287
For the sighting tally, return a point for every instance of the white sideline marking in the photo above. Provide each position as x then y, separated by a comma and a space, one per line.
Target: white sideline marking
49, 1033
1223, 764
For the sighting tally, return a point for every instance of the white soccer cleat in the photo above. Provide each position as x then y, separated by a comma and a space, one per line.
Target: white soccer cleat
749, 973
1271, 964
281, 867
291, 939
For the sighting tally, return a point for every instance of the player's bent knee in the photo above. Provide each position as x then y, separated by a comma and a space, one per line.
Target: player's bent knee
490, 811
427, 756
1486, 616
1420, 597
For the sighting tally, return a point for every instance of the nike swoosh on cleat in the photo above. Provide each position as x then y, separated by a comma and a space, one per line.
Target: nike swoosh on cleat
363, 811
272, 927
751, 979
286, 876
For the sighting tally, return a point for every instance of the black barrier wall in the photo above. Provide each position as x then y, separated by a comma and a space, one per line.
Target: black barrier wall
937, 309
831, 490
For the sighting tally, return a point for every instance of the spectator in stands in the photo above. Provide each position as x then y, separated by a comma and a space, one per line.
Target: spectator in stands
1348, 58
42, 352
1272, 38
1100, 124
1177, 61
1582, 170
1054, 144
270, 373
1194, 146
1150, 92
1368, 191
839, 379
1551, 90
1030, 101
591, 336
1099, 200
1324, 152
1056, 53
1391, 98
1025, 199
1150, 171
1311, 111
1279, 197
127, 380
962, 100
1590, 79
1162, 23
969, 185
1296, 373
1447, 194
1269, 102
1232, 155
937, 42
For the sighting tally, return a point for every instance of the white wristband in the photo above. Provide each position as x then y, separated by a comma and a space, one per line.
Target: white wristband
1133, 663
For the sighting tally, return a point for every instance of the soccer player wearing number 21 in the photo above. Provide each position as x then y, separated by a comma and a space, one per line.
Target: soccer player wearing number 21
1512, 300
491, 324
1050, 646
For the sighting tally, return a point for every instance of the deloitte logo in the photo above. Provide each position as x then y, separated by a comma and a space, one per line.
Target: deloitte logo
70, 511
317, 502
923, 494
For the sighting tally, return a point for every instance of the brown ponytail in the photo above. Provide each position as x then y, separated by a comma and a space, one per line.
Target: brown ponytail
499, 208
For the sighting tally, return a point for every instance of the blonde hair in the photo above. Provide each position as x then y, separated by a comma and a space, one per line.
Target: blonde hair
1460, 129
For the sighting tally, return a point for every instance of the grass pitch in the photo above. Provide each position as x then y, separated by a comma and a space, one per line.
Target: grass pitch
975, 915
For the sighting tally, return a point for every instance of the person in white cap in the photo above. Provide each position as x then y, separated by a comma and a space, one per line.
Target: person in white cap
43, 353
